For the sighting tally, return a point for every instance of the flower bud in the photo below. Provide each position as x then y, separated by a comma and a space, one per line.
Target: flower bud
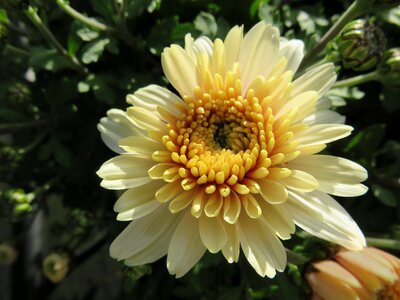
19, 95
56, 266
360, 45
8, 254
389, 69
366, 274
9, 159
15, 204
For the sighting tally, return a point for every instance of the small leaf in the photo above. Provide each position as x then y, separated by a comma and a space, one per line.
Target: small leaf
384, 195
87, 34
93, 50
371, 136
4, 17
48, 59
206, 24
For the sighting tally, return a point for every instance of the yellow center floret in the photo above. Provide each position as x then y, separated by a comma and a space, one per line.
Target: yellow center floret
226, 145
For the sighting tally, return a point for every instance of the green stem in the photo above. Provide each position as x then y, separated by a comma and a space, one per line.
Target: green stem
383, 243
31, 13
354, 10
39, 138
295, 258
373, 76
90, 22
7, 128
17, 50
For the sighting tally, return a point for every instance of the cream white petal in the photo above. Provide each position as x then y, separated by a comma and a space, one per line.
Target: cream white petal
185, 248
154, 95
338, 176
233, 43
115, 126
212, 233
137, 202
293, 50
324, 117
259, 53
140, 145
141, 235
231, 249
124, 171
318, 79
320, 215
346, 169
279, 219
262, 248
146, 119
180, 69
201, 45
322, 134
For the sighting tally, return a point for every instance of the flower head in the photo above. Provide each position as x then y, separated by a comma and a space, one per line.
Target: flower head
366, 274
231, 162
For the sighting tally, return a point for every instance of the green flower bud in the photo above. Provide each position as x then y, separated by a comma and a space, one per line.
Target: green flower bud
9, 159
360, 45
15, 204
19, 95
8, 254
389, 69
56, 266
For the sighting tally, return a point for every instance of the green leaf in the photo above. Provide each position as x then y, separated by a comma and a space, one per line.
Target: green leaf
87, 34
48, 59
371, 136
3, 16
103, 8
384, 195
392, 16
93, 50
234, 293
206, 24
137, 7
306, 22
62, 154
390, 100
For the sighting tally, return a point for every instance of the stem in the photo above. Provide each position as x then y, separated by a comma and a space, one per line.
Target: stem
17, 50
35, 142
383, 243
295, 258
31, 12
373, 76
354, 10
6, 128
82, 18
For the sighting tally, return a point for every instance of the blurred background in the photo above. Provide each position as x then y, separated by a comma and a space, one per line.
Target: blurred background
63, 64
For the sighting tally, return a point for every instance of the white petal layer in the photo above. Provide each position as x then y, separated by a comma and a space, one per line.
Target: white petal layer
337, 176
137, 202
293, 50
201, 45
322, 134
185, 248
320, 215
124, 171
152, 96
259, 53
115, 126
180, 69
324, 117
318, 79
262, 248
146, 239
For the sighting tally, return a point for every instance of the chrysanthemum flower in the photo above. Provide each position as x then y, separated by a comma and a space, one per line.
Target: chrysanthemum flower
231, 162
367, 274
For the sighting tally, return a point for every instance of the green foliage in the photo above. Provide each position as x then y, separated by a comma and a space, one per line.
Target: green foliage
56, 85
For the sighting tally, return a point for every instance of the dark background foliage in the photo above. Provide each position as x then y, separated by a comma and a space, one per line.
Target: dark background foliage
52, 97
